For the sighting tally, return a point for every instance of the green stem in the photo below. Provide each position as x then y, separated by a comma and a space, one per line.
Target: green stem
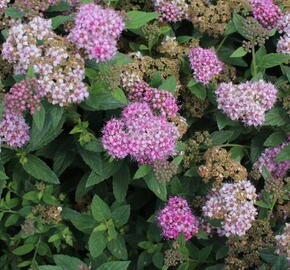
8, 211
35, 252
221, 44
254, 62
231, 145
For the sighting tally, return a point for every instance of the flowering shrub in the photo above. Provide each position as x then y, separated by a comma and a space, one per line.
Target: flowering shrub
144, 134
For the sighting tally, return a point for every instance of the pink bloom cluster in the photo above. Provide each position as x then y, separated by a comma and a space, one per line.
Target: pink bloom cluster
284, 23
283, 242
247, 101
170, 12
283, 45
97, 30
234, 203
267, 160
205, 64
60, 70
3, 4
24, 95
13, 129
267, 12
177, 217
141, 134
160, 100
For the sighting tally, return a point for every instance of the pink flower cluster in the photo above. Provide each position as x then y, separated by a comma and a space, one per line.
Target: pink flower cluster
177, 217
283, 45
170, 12
13, 129
60, 69
267, 160
205, 64
160, 100
247, 101
234, 204
97, 30
3, 4
24, 95
267, 12
141, 134
283, 242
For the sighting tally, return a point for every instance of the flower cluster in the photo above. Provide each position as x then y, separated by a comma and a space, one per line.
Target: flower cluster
177, 217
3, 4
283, 242
59, 67
169, 12
267, 12
283, 45
97, 30
205, 64
247, 101
24, 95
234, 203
267, 160
219, 166
173, 257
172, 10
160, 100
33, 8
141, 134
14, 130
164, 170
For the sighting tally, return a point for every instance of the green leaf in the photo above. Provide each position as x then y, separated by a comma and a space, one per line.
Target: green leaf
3, 175
25, 249
222, 252
121, 215
137, 19
67, 262
11, 220
14, 13
222, 120
169, 84
273, 59
275, 139
24, 264
97, 243
204, 253
49, 267
159, 189
61, 6
156, 80
100, 210
58, 20
142, 171
119, 95
230, 28
199, 90
118, 248
39, 117
263, 204
216, 267
224, 54
39, 170
121, 181
215, 222
237, 153
276, 117
116, 265
240, 52
239, 23
284, 154
30, 73
94, 146
220, 137
201, 234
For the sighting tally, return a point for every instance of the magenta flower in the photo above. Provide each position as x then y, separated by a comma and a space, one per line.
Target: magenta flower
176, 217
97, 30
247, 101
205, 64
170, 12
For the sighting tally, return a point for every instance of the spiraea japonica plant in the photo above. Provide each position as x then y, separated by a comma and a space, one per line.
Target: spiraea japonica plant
144, 134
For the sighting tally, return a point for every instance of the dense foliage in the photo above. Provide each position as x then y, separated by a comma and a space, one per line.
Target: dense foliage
145, 134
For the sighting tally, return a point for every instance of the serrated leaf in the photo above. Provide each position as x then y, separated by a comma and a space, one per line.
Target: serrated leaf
39, 170
169, 84
118, 248
284, 154
240, 52
14, 13
198, 90
121, 181
67, 262
116, 265
275, 139
39, 117
273, 59
137, 19
159, 189
97, 243
121, 215
25, 249
239, 23
276, 117
142, 171
100, 210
